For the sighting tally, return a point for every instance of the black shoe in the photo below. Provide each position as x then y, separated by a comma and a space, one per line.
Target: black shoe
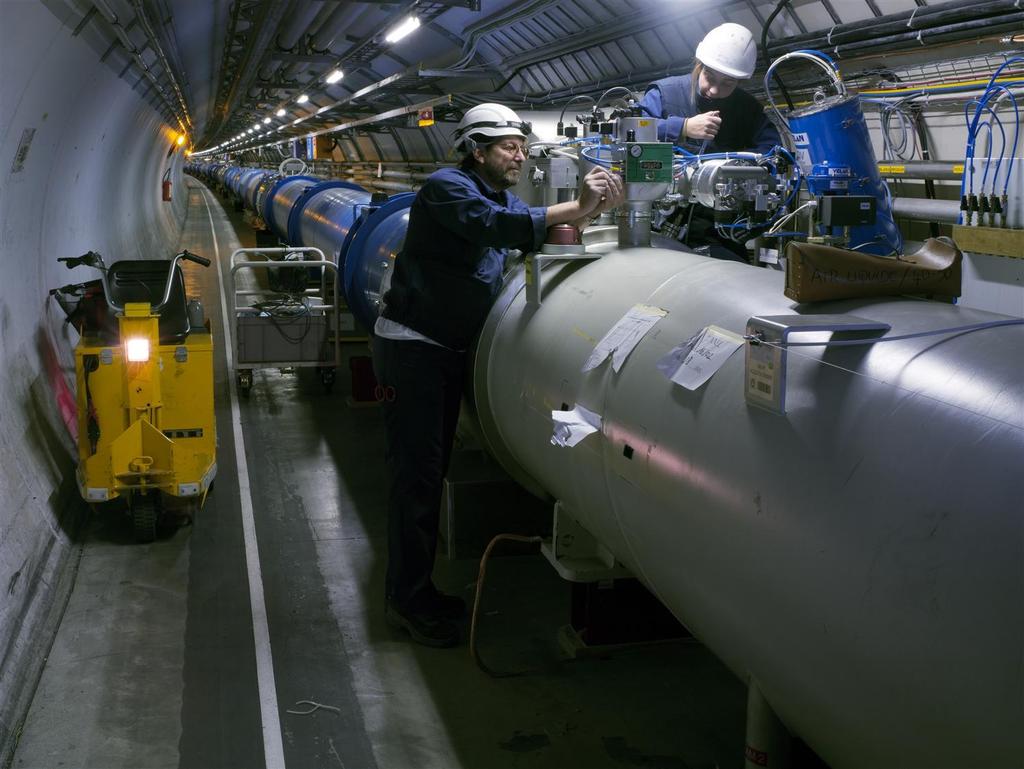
425, 629
444, 606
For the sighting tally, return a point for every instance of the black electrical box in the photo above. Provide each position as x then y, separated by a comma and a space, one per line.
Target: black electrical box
846, 210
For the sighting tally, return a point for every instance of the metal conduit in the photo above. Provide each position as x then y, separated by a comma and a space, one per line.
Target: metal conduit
923, 169
920, 19
135, 53
922, 209
140, 11
377, 183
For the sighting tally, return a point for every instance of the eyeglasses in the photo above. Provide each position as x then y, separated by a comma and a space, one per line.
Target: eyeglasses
511, 148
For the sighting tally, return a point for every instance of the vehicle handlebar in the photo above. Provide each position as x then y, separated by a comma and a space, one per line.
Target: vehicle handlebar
195, 258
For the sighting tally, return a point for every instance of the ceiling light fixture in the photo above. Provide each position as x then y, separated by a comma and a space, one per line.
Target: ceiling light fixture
280, 113
303, 98
266, 120
334, 76
410, 24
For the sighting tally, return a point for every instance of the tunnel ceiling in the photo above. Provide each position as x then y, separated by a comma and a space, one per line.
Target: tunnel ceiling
221, 68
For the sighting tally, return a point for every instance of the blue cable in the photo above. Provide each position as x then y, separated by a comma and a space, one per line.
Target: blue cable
820, 55
972, 129
1016, 132
1002, 150
594, 160
1003, 66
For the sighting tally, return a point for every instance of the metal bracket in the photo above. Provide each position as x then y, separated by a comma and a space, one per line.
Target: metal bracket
766, 353
576, 555
534, 265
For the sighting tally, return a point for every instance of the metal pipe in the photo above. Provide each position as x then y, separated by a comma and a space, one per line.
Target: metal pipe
135, 53
922, 209
154, 43
396, 186
992, 26
924, 17
789, 544
294, 29
634, 222
922, 169
768, 744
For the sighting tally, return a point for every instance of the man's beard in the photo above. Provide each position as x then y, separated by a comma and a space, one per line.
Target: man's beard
511, 177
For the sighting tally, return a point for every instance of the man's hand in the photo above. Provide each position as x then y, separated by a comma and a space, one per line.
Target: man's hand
704, 126
600, 190
599, 186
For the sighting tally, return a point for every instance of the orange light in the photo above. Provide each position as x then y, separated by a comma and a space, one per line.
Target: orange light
181, 139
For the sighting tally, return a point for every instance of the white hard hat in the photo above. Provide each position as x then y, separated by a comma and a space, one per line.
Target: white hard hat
729, 48
490, 120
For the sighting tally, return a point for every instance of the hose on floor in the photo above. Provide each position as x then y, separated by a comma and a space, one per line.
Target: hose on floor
476, 608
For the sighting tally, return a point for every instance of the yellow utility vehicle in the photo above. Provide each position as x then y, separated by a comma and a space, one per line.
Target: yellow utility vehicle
144, 373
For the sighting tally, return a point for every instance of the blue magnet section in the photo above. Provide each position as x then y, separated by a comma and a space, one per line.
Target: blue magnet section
280, 199
251, 183
231, 178
244, 179
368, 259
323, 214
834, 133
259, 195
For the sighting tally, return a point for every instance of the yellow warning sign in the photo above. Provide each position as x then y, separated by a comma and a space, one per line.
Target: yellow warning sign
891, 170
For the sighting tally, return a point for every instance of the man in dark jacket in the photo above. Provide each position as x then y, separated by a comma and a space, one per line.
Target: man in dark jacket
462, 224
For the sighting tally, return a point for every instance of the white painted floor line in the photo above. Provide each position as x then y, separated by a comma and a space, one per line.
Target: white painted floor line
272, 745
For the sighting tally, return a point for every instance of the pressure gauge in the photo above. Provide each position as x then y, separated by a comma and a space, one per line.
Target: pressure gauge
636, 150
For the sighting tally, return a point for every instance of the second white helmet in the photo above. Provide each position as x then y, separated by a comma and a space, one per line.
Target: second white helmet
729, 48
488, 120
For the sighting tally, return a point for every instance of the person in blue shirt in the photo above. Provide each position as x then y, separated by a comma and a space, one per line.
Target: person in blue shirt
706, 111
462, 224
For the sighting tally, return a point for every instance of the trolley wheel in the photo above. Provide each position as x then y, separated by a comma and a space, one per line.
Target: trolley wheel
244, 379
145, 512
327, 377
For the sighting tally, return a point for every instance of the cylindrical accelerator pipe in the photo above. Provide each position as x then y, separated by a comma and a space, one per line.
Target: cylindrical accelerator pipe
859, 556
324, 215
922, 209
281, 198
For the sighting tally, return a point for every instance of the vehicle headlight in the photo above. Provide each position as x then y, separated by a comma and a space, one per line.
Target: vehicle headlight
136, 349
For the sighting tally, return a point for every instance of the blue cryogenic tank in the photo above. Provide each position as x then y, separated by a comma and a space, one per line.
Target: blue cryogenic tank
231, 178
323, 215
369, 257
260, 195
280, 200
834, 134
249, 184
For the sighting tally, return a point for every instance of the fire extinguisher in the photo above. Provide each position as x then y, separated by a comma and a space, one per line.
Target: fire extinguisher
166, 186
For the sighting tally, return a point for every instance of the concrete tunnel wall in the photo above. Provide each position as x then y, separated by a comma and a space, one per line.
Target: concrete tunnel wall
82, 155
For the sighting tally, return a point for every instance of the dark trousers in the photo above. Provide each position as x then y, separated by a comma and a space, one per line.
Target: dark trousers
421, 386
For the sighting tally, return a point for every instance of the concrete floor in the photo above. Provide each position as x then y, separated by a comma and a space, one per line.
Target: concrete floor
155, 662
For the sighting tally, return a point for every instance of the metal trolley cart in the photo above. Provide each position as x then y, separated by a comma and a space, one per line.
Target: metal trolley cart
289, 324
